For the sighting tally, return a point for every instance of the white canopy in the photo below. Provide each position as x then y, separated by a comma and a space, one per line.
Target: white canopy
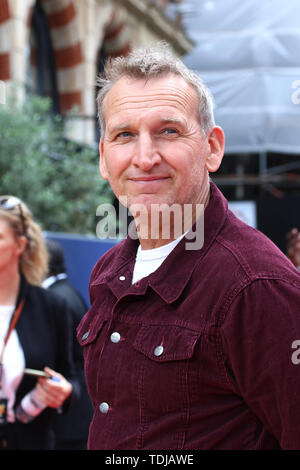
248, 53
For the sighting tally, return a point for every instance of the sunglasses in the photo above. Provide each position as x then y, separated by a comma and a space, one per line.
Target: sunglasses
10, 202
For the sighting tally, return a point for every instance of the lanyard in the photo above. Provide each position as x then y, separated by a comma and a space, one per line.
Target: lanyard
12, 325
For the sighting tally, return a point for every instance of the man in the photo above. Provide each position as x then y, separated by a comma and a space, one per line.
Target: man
184, 348
71, 429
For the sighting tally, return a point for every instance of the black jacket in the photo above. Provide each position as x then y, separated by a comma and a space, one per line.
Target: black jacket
44, 331
74, 424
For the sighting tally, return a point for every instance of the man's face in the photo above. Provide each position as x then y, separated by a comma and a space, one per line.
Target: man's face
154, 150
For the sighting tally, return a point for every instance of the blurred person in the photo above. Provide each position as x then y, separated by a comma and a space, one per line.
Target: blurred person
293, 247
187, 344
71, 429
34, 336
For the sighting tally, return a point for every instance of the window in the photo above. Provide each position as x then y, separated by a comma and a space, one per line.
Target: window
40, 66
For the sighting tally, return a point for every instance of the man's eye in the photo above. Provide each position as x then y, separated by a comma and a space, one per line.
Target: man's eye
169, 130
124, 134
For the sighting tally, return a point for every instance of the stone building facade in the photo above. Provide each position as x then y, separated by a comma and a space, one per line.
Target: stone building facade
56, 47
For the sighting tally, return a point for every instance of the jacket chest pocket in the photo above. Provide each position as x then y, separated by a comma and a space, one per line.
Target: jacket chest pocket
165, 355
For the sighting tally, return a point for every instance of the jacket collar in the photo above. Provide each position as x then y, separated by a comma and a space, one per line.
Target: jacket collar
170, 279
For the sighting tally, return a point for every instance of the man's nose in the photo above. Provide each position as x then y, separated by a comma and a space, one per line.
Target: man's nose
145, 152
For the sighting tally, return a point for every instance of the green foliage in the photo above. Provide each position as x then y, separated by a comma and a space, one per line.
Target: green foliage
58, 179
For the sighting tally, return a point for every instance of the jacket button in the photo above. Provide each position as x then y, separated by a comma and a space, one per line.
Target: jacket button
158, 350
104, 407
122, 278
115, 337
85, 335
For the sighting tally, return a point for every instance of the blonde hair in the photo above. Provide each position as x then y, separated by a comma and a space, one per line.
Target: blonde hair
34, 259
146, 63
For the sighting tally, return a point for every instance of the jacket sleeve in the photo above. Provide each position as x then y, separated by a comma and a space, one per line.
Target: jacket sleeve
261, 352
64, 355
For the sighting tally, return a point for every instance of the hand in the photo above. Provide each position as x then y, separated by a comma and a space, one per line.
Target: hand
50, 392
293, 246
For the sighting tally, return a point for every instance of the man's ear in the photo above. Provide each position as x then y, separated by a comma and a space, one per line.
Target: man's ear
216, 142
102, 164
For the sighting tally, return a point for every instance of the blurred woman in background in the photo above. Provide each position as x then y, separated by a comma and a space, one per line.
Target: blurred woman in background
293, 247
35, 335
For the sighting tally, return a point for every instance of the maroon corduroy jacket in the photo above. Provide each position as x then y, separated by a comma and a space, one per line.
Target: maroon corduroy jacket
201, 353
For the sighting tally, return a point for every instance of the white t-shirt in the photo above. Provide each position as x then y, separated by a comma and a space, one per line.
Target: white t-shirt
52, 279
13, 360
148, 261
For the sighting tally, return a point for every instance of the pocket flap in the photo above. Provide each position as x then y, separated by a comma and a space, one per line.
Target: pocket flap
89, 327
166, 343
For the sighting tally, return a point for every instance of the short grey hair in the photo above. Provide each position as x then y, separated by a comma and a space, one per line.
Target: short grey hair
152, 62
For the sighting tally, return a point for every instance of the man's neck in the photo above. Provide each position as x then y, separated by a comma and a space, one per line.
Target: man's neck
179, 226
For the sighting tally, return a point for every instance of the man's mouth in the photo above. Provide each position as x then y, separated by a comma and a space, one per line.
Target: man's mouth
148, 179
